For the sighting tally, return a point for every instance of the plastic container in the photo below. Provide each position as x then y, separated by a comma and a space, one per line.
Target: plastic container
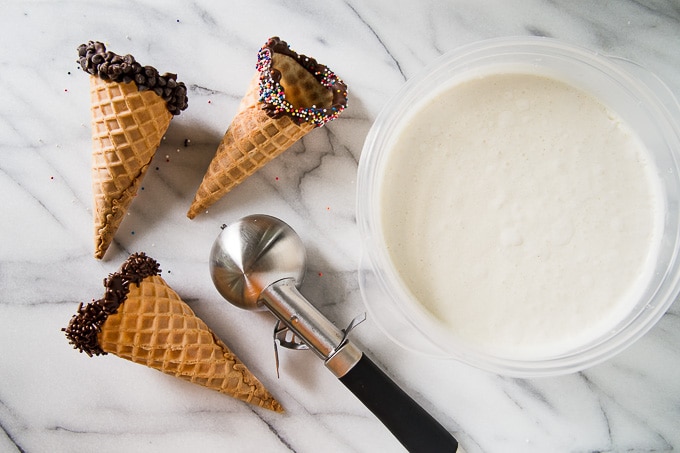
635, 94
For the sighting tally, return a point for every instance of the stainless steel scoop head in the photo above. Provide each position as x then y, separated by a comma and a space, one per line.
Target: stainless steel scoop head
253, 253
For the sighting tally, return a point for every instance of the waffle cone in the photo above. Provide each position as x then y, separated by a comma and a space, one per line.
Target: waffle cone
154, 327
127, 128
290, 95
252, 140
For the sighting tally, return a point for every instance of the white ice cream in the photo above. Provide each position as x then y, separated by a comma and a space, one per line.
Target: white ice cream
522, 213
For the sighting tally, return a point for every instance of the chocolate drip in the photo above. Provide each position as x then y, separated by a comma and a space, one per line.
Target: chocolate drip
96, 60
85, 325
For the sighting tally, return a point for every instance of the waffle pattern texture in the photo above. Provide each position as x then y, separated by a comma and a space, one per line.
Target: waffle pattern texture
155, 328
252, 140
127, 128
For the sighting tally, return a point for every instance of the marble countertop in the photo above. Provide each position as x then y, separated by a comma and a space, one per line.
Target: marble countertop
54, 399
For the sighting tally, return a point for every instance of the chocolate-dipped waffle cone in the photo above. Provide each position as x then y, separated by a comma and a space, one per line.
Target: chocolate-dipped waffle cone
129, 119
143, 320
290, 95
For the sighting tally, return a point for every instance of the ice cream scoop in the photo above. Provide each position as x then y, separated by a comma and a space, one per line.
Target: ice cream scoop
257, 263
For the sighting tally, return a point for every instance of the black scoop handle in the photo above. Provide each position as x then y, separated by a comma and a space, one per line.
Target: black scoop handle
416, 429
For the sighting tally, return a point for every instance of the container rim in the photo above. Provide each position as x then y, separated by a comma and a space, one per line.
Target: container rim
375, 261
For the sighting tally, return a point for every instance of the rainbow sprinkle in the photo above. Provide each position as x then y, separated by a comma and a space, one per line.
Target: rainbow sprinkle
273, 95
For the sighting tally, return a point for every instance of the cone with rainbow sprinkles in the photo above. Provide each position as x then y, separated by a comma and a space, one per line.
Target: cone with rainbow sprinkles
131, 106
290, 95
141, 319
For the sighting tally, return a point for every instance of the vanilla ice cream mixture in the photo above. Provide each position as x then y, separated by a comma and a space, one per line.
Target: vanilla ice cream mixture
522, 213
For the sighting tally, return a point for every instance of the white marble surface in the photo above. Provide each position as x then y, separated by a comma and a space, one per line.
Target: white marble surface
54, 399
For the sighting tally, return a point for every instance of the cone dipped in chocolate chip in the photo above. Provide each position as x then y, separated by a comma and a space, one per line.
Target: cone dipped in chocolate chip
131, 106
141, 319
290, 95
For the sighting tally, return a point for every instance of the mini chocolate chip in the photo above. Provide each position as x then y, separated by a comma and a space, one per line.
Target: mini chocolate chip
97, 61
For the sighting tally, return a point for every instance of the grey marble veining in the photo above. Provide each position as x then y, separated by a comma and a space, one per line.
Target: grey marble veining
54, 399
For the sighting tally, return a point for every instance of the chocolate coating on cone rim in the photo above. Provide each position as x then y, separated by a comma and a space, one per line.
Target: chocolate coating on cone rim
97, 61
84, 326
272, 94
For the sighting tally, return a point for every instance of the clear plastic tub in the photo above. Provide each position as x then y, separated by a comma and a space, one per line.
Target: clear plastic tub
635, 94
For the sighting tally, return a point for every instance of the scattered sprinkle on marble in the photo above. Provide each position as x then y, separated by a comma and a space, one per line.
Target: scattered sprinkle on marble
187, 142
